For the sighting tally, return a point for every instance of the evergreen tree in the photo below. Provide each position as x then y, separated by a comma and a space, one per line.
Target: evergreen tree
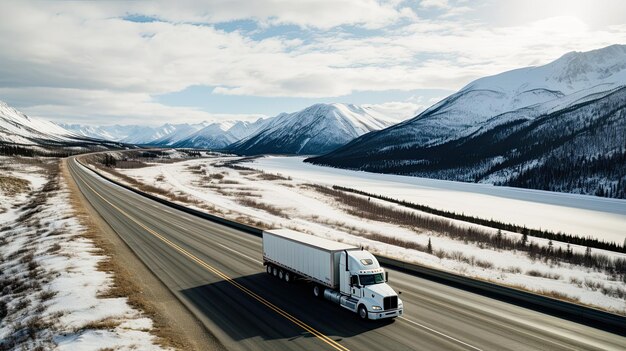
524, 239
429, 248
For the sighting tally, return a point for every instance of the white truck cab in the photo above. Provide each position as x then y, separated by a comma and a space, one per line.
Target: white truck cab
364, 288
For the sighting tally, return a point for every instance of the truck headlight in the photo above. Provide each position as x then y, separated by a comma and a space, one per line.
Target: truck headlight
376, 308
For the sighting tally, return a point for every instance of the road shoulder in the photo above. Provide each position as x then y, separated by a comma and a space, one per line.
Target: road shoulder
174, 324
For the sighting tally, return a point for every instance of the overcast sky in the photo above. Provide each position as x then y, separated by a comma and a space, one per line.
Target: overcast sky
144, 62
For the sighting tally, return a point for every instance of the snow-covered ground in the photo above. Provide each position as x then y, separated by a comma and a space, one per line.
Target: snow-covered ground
289, 201
581, 215
52, 290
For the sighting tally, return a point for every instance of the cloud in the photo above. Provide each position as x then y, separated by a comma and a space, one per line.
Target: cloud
440, 4
101, 107
72, 59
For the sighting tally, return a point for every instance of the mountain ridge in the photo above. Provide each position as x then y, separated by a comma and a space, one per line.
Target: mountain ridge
313, 130
468, 136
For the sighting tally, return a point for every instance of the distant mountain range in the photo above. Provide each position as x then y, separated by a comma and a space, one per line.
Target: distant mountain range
315, 130
137, 134
561, 126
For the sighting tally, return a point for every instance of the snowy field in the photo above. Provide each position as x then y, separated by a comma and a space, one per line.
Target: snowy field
52, 291
581, 215
289, 200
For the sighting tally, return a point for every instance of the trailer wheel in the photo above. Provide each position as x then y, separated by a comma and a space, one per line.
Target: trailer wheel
268, 269
281, 274
288, 277
318, 291
275, 271
362, 312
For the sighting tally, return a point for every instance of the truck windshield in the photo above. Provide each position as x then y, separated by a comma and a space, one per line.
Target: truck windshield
370, 279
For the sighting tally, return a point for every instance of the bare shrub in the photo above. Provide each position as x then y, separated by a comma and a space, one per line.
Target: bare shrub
484, 264
102, 324
537, 273
216, 176
576, 281
247, 194
592, 285
614, 292
54, 248
511, 269
22, 304
263, 206
271, 176
47, 295
228, 181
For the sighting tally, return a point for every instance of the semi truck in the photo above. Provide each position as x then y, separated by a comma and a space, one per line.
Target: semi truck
341, 273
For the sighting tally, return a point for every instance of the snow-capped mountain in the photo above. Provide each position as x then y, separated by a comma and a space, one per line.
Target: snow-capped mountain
218, 135
16, 127
24, 135
166, 134
479, 133
243, 129
213, 136
315, 130
177, 133
90, 131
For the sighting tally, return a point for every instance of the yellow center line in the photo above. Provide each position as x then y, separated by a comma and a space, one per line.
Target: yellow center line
220, 274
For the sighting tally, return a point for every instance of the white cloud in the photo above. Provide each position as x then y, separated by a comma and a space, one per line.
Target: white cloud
440, 4
66, 60
101, 107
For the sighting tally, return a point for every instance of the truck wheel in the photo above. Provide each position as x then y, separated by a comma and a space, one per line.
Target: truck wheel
268, 269
288, 277
362, 312
318, 291
275, 271
281, 274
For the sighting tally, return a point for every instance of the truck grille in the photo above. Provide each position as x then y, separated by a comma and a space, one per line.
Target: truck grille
390, 302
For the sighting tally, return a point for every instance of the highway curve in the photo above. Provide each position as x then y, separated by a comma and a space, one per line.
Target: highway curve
217, 273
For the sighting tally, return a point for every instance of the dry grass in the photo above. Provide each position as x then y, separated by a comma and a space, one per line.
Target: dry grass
12, 186
103, 324
228, 181
217, 176
276, 211
271, 176
559, 295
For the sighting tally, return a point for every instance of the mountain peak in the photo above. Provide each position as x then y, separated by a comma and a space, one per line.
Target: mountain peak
315, 129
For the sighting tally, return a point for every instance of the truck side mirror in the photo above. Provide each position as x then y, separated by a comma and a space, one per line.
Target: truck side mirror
354, 280
386, 277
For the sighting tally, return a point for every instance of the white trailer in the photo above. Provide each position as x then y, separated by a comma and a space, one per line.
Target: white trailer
341, 273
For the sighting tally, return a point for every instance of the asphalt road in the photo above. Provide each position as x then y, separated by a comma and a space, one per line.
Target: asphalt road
218, 273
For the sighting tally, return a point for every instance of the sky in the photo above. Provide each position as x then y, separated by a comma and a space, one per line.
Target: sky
154, 62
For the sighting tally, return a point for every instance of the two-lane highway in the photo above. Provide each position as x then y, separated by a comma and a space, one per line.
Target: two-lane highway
217, 272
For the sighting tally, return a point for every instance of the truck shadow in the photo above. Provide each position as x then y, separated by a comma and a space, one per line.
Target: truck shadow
260, 306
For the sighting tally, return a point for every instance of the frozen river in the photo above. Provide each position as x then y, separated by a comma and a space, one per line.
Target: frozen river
569, 213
